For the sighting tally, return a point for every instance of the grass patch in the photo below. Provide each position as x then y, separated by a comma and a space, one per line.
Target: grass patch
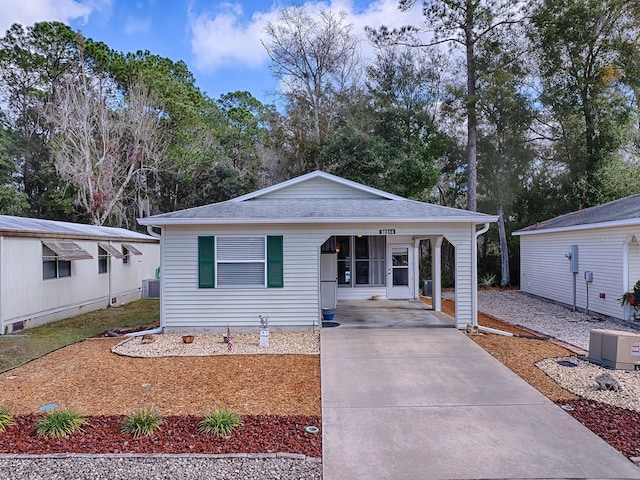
142, 422
6, 419
220, 422
60, 423
52, 336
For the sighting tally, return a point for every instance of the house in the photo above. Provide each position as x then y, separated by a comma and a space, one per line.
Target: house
292, 249
53, 270
586, 259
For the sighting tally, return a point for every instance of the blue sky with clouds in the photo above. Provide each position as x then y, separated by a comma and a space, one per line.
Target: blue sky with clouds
219, 40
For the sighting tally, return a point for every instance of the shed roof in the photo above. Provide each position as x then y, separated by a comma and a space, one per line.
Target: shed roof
625, 211
258, 208
29, 227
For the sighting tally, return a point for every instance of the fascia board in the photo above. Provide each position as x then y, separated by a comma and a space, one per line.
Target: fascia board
316, 220
588, 226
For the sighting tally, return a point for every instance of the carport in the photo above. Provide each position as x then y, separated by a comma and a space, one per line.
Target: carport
389, 313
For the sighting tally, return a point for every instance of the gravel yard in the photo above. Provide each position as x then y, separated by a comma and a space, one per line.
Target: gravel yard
171, 345
542, 316
158, 468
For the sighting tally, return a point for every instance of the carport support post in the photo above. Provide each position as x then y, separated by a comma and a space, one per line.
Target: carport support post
436, 272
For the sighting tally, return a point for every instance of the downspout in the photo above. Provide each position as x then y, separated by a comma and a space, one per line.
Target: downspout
474, 277
474, 299
154, 331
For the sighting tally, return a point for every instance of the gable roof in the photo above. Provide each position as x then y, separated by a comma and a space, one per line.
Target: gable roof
35, 227
262, 207
356, 187
622, 212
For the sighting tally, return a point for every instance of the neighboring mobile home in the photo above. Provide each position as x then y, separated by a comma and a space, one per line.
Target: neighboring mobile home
53, 270
290, 250
600, 244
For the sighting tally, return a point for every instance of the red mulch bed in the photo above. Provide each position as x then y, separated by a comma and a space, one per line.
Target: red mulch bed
619, 427
258, 434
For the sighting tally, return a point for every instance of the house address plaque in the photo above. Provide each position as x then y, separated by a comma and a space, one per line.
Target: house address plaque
387, 231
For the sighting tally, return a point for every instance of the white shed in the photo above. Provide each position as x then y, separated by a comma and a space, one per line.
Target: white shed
557, 254
52, 270
291, 249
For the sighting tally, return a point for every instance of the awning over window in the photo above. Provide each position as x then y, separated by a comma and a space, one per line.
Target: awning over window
111, 250
68, 250
132, 249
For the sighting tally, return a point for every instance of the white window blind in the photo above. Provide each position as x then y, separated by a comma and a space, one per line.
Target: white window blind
241, 261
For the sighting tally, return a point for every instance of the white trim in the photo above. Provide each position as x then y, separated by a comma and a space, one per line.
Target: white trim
626, 314
317, 220
311, 175
587, 226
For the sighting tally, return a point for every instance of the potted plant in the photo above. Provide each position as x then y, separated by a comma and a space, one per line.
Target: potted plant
187, 338
632, 298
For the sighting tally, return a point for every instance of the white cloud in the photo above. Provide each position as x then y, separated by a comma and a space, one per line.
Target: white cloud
28, 12
136, 25
225, 37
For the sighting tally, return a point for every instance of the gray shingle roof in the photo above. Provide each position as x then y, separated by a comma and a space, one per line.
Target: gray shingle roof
627, 208
290, 210
23, 226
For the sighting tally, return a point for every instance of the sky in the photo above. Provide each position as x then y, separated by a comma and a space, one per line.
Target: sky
220, 41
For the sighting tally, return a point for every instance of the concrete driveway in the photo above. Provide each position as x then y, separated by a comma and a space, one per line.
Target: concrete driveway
428, 403
389, 313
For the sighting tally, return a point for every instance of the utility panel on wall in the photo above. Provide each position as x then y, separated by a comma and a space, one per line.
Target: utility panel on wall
573, 259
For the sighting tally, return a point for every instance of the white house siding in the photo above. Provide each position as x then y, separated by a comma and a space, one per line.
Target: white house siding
634, 261
126, 278
544, 268
318, 188
27, 297
297, 305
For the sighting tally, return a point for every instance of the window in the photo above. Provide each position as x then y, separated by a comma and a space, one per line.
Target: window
236, 261
125, 258
53, 266
361, 260
103, 260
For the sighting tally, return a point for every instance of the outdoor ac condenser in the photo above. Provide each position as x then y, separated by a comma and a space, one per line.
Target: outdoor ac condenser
615, 349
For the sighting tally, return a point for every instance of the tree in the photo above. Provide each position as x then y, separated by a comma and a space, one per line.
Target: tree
505, 149
466, 24
581, 48
33, 63
317, 61
105, 145
388, 137
12, 200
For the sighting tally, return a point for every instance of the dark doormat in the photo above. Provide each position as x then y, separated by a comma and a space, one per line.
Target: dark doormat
330, 324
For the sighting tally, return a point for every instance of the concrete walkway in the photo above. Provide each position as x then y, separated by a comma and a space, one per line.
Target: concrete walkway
428, 403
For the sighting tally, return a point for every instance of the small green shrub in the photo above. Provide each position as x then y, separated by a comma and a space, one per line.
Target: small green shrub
220, 422
60, 423
6, 419
487, 280
143, 422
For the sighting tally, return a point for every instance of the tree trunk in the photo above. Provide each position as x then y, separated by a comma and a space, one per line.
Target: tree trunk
505, 275
472, 118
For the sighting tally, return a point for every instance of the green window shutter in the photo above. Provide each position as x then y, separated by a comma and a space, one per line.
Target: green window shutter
275, 271
206, 262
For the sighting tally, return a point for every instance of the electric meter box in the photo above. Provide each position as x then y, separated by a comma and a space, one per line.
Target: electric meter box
615, 349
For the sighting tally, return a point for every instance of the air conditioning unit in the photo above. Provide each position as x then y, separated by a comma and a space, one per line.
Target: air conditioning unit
615, 349
150, 288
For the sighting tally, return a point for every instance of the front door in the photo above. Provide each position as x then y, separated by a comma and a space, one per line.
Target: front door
399, 273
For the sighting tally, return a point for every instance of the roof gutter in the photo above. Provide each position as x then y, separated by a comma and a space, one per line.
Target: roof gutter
313, 220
